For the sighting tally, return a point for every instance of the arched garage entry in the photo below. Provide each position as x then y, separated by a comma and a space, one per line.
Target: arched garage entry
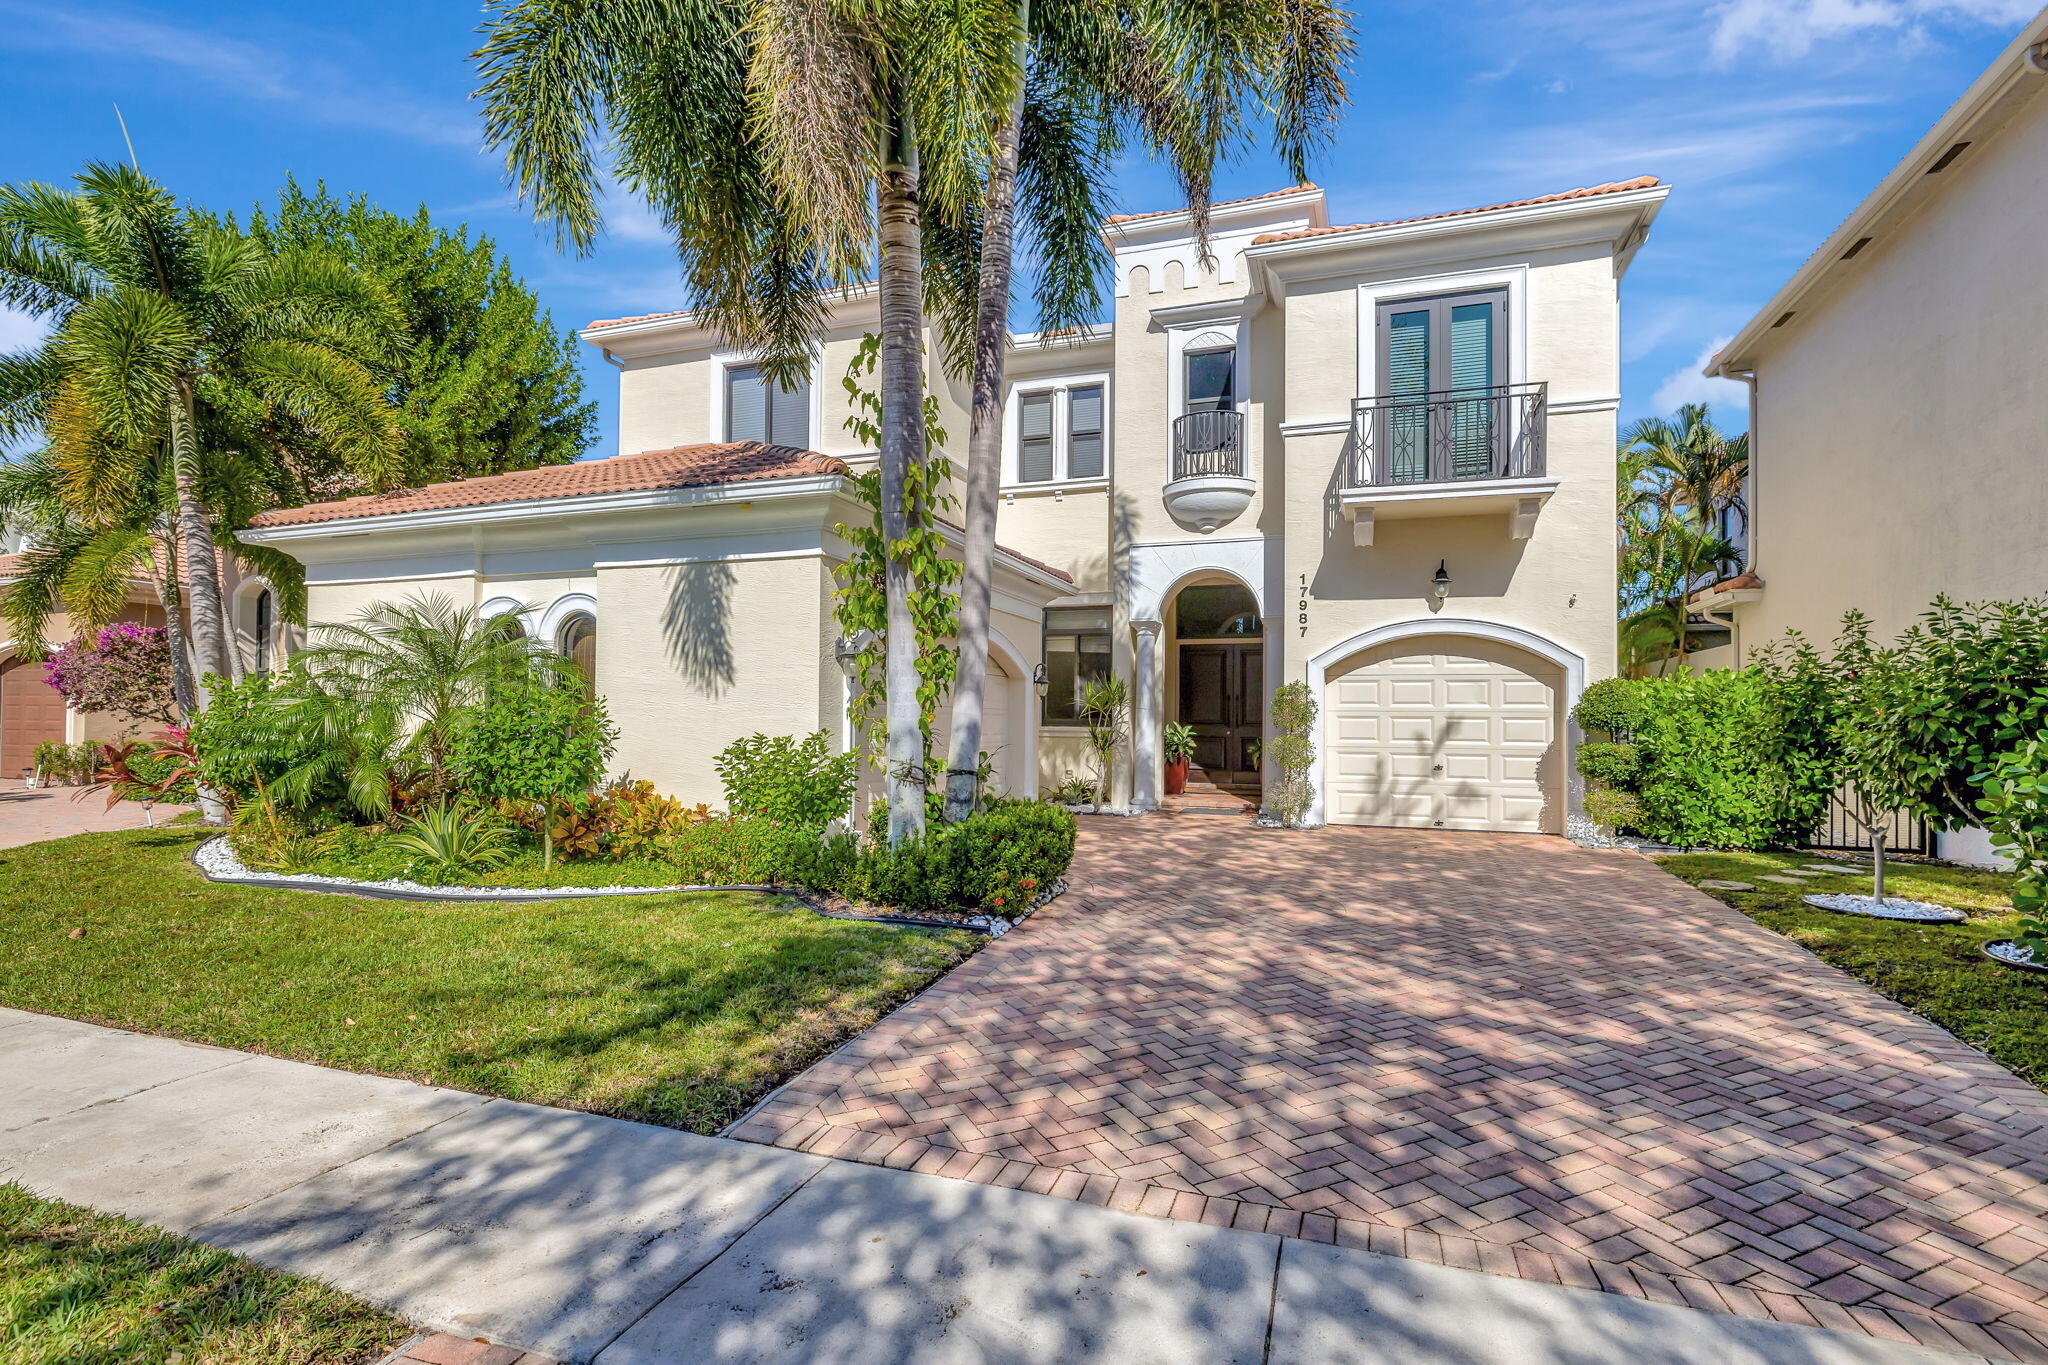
1446, 725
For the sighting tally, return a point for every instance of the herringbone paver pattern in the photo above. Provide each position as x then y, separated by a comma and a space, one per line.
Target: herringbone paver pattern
1497, 1052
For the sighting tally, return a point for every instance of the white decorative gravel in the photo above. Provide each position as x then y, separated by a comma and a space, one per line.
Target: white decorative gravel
1921, 912
2005, 950
217, 859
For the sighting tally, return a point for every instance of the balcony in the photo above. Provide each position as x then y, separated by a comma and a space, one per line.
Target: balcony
1450, 453
1209, 487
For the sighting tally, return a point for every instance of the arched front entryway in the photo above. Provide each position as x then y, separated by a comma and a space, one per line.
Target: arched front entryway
1446, 725
1216, 681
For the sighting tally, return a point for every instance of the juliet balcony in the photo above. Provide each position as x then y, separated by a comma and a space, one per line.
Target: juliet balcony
1449, 453
1210, 485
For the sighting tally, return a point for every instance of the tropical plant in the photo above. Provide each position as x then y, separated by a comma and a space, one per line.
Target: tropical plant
189, 368
162, 770
1106, 710
1681, 483
418, 666
1083, 69
1973, 683
124, 671
451, 837
796, 782
1177, 741
533, 737
1293, 751
487, 383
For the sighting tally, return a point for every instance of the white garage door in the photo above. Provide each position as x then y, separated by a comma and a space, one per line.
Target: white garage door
1461, 738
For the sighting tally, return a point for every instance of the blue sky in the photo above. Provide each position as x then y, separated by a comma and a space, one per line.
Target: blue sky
1771, 118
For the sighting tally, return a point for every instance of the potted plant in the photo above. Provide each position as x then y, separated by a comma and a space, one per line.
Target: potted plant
1179, 745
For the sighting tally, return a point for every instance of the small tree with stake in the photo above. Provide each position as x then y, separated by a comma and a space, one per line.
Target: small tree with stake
1872, 746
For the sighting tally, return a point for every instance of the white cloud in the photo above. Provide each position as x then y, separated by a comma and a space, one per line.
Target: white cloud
1687, 384
1792, 29
321, 90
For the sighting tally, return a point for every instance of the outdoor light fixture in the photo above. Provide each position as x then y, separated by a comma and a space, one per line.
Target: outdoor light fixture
1440, 586
849, 648
1040, 679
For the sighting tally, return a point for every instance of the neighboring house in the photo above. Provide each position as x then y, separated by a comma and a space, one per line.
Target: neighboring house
33, 714
1376, 458
1899, 387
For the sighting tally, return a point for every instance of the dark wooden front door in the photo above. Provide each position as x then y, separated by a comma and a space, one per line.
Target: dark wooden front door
1222, 696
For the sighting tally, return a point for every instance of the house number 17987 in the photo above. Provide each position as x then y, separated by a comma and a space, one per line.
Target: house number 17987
1301, 608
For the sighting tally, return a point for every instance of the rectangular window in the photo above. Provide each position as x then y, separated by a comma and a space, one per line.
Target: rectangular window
757, 410
1084, 432
1034, 439
1076, 654
1211, 377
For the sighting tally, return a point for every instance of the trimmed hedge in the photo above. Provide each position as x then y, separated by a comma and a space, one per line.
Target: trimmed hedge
1713, 760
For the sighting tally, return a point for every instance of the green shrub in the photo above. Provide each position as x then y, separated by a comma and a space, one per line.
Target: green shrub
1712, 749
748, 850
1293, 751
2015, 809
790, 781
993, 862
1612, 707
66, 765
1610, 765
251, 735
1612, 809
534, 738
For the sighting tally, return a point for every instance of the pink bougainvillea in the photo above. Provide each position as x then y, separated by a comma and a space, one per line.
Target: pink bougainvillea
124, 670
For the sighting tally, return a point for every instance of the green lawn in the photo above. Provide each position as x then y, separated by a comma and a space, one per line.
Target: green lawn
82, 1288
677, 1009
1935, 970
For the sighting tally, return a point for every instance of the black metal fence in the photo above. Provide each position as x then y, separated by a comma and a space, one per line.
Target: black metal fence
1843, 831
1206, 444
1450, 435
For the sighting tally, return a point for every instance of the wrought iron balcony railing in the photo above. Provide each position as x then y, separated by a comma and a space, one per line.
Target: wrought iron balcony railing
1450, 436
1206, 444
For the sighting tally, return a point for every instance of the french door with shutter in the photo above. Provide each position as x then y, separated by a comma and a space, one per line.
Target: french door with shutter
1442, 361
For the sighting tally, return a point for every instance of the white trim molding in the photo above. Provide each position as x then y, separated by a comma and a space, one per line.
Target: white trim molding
1371, 294
1317, 670
1157, 570
557, 615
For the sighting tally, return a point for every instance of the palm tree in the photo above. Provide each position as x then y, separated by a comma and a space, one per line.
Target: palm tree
419, 664
188, 371
1088, 68
1681, 485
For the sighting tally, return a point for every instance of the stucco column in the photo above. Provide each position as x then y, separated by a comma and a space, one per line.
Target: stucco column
1145, 701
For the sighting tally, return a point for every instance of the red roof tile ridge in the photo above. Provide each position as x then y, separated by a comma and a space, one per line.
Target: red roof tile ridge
1220, 204
1641, 182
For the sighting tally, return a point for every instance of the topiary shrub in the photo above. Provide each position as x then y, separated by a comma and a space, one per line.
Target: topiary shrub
751, 851
1612, 809
1293, 751
791, 781
1608, 764
1612, 707
994, 862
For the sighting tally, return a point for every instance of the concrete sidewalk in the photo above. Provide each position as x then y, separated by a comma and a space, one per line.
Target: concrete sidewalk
594, 1240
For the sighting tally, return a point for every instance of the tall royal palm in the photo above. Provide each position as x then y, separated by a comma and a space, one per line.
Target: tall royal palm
789, 147
190, 379
1182, 77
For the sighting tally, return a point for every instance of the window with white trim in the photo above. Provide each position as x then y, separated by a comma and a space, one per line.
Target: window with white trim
1062, 433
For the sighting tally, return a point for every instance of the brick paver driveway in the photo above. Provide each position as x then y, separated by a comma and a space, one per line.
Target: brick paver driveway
29, 816
1497, 1052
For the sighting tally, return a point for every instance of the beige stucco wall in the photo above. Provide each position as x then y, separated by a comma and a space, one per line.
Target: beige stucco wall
1070, 531
1900, 434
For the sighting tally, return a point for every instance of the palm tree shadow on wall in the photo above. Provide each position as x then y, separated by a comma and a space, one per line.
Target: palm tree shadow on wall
697, 623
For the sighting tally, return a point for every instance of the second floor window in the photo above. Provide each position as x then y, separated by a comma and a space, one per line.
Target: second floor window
1060, 434
756, 409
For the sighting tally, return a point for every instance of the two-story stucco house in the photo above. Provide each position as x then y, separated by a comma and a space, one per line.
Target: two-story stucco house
1376, 458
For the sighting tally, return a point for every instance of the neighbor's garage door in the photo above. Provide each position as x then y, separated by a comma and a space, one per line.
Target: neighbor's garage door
31, 713
1464, 737
995, 732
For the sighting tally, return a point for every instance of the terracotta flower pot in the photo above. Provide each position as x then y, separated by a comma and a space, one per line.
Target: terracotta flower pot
1176, 776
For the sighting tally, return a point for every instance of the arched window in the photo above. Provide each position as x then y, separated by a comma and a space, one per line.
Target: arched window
265, 624
579, 642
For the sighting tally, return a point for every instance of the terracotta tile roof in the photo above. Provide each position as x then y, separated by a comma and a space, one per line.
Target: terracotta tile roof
1223, 204
11, 565
643, 317
1641, 182
697, 466
1738, 583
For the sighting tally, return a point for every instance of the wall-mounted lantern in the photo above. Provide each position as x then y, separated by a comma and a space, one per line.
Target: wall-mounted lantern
847, 650
1040, 679
1440, 585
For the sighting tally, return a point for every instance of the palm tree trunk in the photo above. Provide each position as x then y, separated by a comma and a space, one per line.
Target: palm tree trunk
182, 690
984, 457
902, 367
202, 573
